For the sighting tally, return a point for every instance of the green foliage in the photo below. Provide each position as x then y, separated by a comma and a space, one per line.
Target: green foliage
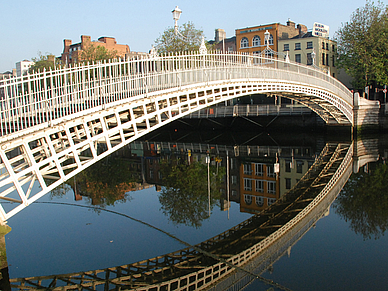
184, 198
364, 202
168, 42
44, 62
93, 53
362, 45
107, 181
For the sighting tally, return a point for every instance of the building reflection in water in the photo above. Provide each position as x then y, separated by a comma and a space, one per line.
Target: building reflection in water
256, 175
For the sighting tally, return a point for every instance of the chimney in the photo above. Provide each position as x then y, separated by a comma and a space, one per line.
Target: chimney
302, 29
290, 23
220, 35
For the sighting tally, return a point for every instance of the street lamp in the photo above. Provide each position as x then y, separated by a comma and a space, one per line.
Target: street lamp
176, 14
313, 55
266, 38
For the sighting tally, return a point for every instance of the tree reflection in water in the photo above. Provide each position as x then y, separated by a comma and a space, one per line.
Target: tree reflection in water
107, 182
184, 197
364, 202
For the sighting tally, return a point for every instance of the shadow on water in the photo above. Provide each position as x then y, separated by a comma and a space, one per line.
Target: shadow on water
287, 183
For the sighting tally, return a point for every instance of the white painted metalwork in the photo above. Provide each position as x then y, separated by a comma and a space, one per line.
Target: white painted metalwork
56, 123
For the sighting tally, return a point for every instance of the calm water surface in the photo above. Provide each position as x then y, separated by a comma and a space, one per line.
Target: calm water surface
62, 234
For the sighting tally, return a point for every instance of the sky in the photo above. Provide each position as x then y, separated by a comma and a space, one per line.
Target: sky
29, 27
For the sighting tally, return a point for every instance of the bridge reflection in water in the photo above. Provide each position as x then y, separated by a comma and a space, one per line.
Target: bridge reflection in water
236, 257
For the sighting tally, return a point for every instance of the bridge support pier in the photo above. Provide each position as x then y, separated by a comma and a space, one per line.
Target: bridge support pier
365, 113
4, 276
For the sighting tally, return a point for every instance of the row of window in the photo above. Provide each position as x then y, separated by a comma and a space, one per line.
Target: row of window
259, 185
325, 60
259, 169
248, 199
325, 46
286, 46
256, 41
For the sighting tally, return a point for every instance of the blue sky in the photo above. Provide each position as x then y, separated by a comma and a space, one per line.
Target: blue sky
41, 25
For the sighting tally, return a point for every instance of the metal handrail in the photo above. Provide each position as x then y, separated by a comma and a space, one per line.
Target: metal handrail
41, 97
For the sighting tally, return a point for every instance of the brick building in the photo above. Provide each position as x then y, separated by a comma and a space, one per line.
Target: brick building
71, 52
251, 39
222, 43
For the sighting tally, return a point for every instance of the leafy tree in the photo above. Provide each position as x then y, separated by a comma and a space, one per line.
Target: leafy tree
107, 181
184, 198
47, 61
93, 53
169, 42
364, 202
362, 45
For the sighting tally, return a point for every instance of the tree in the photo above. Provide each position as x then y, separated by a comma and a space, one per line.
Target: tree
184, 198
93, 53
362, 46
169, 42
364, 202
47, 61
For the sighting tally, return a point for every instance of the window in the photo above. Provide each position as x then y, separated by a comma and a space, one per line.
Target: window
299, 166
259, 169
309, 59
247, 169
323, 45
333, 48
244, 42
234, 193
270, 171
297, 46
327, 60
256, 41
323, 59
288, 165
286, 47
247, 184
248, 199
309, 44
151, 174
259, 201
333, 61
259, 186
271, 201
327, 46
234, 180
271, 187
233, 164
288, 183
270, 42
298, 58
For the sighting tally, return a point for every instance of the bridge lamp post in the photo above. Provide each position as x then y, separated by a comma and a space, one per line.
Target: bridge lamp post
176, 14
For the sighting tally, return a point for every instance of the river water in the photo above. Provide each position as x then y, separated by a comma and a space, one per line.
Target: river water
129, 207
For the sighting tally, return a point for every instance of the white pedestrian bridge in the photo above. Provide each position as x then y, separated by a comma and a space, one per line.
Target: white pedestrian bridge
56, 123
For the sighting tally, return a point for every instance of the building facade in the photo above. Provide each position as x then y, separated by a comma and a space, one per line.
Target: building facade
222, 43
251, 40
302, 48
72, 52
22, 67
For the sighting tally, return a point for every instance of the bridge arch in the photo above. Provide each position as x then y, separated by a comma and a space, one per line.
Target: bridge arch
57, 123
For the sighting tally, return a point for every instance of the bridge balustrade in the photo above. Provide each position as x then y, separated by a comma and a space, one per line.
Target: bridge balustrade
40, 98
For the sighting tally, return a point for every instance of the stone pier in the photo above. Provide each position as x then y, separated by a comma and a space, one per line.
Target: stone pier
4, 277
365, 113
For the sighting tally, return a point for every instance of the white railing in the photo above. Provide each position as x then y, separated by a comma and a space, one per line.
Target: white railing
45, 96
